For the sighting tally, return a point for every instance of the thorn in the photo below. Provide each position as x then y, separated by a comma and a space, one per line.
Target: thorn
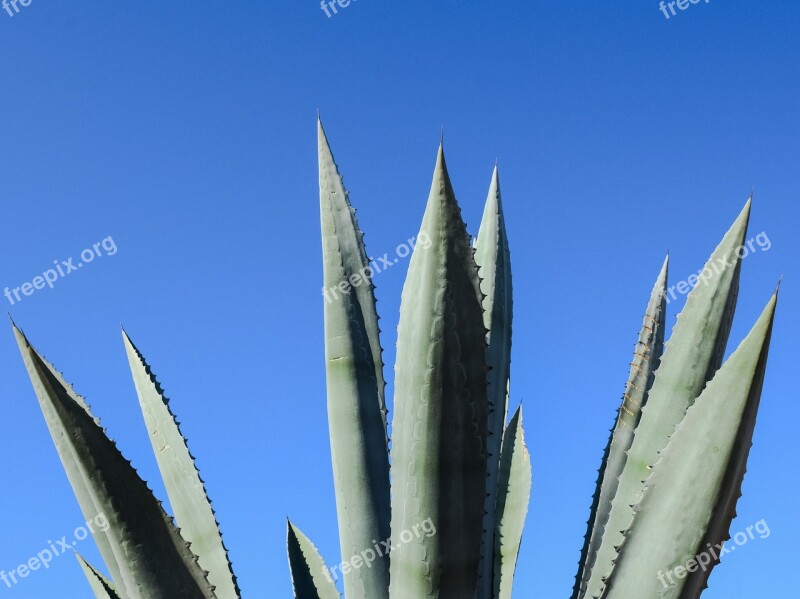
777, 287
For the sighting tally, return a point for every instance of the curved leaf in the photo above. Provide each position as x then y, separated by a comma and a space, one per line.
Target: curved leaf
102, 587
441, 411
513, 495
185, 488
689, 479
151, 559
311, 578
355, 385
646, 359
694, 353
494, 264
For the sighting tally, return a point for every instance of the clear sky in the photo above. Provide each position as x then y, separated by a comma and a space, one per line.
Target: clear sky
185, 132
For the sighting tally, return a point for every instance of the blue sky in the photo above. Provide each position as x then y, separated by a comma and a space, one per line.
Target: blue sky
186, 133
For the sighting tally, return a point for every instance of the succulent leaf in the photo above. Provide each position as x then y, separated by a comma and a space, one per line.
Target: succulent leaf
310, 575
718, 529
690, 478
149, 557
646, 359
101, 586
513, 495
441, 410
186, 490
494, 263
355, 385
694, 353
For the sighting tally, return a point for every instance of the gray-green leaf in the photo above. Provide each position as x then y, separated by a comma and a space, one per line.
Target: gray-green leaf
311, 578
513, 495
355, 385
144, 551
646, 359
494, 263
101, 586
185, 488
690, 477
441, 410
694, 353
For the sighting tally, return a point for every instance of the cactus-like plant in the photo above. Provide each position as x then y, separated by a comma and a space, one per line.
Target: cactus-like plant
673, 468
455, 463
668, 484
671, 472
147, 555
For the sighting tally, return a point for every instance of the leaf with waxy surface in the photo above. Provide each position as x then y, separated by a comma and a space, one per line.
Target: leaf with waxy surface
310, 575
646, 359
355, 385
513, 495
494, 263
691, 474
101, 586
147, 556
694, 353
441, 410
186, 491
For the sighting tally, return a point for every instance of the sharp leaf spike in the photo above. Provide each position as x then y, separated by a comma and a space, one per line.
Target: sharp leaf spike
355, 384
698, 472
311, 578
494, 263
441, 409
101, 586
646, 359
144, 551
514, 491
185, 488
693, 355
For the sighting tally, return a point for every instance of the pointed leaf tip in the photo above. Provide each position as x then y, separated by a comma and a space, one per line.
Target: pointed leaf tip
512, 505
662, 276
100, 585
185, 488
440, 311
156, 557
22, 340
354, 384
310, 575
691, 497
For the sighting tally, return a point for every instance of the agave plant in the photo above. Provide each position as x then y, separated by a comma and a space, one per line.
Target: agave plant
673, 468
671, 473
457, 466
449, 523
147, 555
